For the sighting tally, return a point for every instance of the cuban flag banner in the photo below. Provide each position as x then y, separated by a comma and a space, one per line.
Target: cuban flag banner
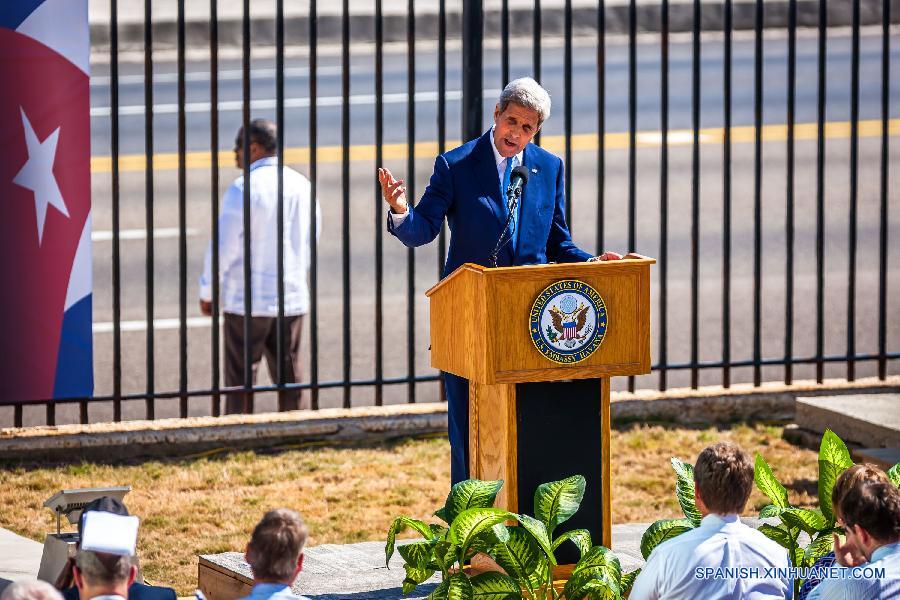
45, 201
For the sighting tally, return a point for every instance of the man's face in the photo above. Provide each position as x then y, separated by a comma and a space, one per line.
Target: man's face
255, 151
514, 128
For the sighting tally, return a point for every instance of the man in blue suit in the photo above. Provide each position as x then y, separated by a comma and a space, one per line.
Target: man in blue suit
468, 188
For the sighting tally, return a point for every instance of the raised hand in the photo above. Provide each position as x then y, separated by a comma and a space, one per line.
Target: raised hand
393, 191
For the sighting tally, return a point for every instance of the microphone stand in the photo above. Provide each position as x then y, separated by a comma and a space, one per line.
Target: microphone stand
512, 202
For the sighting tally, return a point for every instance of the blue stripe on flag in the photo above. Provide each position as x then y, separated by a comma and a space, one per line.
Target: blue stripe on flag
13, 12
74, 363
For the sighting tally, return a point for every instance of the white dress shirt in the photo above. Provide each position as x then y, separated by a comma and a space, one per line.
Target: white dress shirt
674, 568
397, 219
264, 243
867, 585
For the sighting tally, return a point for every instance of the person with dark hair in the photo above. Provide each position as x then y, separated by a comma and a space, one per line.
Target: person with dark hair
136, 590
851, 556
722, 558
275, 555
264, 291
870, 512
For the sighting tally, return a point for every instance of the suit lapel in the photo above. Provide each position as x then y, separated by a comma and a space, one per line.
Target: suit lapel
528, 210
486, 172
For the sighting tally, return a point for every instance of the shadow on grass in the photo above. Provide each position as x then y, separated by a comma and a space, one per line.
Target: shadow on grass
207, 453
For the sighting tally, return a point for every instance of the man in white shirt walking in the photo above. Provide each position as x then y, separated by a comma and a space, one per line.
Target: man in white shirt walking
263, 340
706, 562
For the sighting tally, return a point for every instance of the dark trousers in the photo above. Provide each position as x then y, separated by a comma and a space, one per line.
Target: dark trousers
263, 342
457, 391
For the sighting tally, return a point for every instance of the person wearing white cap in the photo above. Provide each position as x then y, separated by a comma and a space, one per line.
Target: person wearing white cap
104, 567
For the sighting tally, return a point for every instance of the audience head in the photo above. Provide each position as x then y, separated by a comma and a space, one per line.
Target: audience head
275, 551
263, 135
723, 478
871, 514
30, 590
852, 477
99, 574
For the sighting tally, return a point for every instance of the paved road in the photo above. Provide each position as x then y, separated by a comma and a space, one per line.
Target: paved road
366, 218
362, 92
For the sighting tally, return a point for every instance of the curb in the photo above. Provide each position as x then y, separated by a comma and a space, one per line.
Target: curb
584, 19
180, 437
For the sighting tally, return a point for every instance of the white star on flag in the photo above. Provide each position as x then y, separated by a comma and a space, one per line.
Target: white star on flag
37, 174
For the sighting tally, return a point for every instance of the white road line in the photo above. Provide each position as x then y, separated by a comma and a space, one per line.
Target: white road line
270, 103
158, 324
140, 234
227, 75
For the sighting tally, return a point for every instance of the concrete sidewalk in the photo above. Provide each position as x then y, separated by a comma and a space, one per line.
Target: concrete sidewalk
20, 558
362, 19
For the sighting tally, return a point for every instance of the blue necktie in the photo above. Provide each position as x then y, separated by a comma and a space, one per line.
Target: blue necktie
503, 188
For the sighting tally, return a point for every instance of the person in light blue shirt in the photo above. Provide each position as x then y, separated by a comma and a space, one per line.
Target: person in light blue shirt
871, 514
275, 555
722, 558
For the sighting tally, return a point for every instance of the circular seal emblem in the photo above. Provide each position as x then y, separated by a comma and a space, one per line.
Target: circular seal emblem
568, 321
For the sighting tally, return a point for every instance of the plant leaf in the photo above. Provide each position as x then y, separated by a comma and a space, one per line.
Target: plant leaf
555, 502
417, 554
471, 493
494, 586
441, 514
808, 520
598, 570
628, 581
539, 532
440, 592
770, 510
591, 588
776, 534
415, 576
460, 588
894, 474
471, 522
685, 492
662, 530
768, 484
445, 554
819, 547
581, 538
520, 556
834, 459
399, 524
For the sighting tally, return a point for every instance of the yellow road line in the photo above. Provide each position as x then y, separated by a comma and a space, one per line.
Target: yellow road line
554, 143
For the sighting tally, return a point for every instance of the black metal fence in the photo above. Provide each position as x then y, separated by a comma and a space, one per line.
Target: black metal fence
756, 204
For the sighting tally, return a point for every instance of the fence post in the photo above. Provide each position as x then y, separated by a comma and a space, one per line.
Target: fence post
472, 62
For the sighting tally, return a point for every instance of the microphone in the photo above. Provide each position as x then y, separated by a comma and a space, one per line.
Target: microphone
517, 180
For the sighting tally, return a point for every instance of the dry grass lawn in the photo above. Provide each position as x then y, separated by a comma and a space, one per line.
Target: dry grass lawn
209, 504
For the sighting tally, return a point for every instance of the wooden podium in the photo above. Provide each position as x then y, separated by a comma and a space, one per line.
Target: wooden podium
533, 419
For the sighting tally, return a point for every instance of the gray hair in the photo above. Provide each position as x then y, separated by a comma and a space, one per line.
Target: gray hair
31, 590
526, 92
99, 568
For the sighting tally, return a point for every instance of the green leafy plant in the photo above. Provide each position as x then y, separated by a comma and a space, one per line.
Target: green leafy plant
818, 524
522, 545
666, 529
